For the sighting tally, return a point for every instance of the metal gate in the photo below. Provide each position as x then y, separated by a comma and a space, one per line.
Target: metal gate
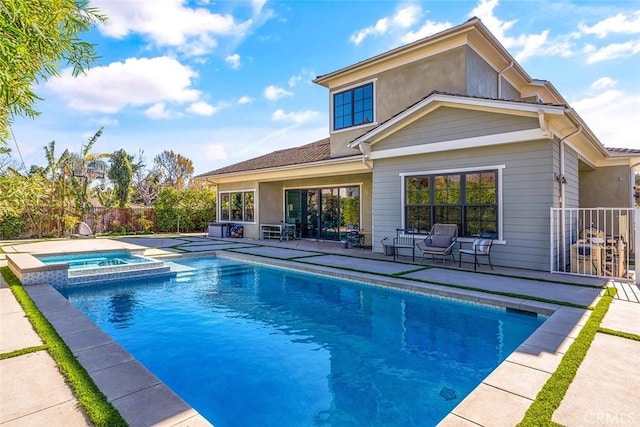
599, 242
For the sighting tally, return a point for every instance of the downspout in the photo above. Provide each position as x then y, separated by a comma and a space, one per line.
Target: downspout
365, 149
500, 79
561, 177
562, 181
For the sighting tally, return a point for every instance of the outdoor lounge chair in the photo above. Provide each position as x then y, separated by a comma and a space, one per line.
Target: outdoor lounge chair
84, 231
479, 248
439, 242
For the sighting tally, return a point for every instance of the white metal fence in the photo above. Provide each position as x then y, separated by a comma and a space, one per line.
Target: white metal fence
595, 241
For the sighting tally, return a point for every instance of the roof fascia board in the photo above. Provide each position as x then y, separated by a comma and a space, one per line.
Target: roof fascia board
434, 101
459, 144
588, 154
581, 142
368, 70
352, 164
575, 118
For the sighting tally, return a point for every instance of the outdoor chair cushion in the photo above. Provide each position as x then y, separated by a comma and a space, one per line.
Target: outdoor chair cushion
440, 241
482, 246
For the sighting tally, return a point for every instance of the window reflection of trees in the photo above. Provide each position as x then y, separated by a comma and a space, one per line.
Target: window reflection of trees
467, 199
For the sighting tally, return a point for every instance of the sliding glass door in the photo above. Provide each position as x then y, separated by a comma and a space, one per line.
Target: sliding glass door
323, 213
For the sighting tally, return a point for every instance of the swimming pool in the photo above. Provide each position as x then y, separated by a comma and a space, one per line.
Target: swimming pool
251, 345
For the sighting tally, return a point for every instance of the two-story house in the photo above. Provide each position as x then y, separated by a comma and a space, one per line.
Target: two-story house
447, 129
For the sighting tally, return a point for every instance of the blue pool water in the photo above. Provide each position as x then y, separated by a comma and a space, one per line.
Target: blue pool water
92, 260
248, 345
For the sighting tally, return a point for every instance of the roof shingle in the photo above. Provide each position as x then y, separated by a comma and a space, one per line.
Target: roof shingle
309, 153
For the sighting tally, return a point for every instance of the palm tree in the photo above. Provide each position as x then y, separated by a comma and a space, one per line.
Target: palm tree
87, 166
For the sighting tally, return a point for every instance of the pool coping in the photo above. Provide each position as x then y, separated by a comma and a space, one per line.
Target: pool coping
141, 398
506, 393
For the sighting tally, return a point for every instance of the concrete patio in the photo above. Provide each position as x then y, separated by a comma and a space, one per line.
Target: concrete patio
32, 389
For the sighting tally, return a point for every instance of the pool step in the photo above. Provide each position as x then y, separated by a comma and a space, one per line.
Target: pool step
131, 271
234, 270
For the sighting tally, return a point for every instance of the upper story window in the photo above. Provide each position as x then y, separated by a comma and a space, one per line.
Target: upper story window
353, 107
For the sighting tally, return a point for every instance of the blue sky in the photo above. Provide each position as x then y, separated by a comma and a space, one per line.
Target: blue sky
221, 82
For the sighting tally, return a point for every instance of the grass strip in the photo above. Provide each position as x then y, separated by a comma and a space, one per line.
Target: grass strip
541, 411
620, 334
94, 402
22, 351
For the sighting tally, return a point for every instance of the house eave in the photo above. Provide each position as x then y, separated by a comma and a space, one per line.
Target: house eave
441, 100
343, 165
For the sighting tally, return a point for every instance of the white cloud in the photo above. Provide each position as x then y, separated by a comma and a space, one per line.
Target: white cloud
245, 100
258, 5
402, 19
484, 11
202, 109
173, 23
159, 112
612, 51
429, 28
273, 93
107, 121
603, 82
304, 76
299, 117
618, 24
134, 82
613, 115
233, 61
528, 44
407, 16
215, 152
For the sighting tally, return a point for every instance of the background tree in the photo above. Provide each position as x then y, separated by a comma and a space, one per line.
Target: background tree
35, 37
121, 175
6, 161
87, 167
24, 204
174, 169
146, 186
185, 210
57, 171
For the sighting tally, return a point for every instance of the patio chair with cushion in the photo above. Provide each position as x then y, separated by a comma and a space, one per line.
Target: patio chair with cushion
479, 248
439, 242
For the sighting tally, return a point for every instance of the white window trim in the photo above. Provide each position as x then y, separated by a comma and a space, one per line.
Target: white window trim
219, 207
374, 122
499, 168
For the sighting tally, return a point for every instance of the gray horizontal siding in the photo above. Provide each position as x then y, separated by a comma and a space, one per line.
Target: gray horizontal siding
448, 124
528, 193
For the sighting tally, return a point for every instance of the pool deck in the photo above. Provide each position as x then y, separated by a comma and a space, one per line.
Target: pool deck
605, 390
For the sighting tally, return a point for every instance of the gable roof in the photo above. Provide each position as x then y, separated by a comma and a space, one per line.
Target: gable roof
472, 33
438, 98
314, 152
